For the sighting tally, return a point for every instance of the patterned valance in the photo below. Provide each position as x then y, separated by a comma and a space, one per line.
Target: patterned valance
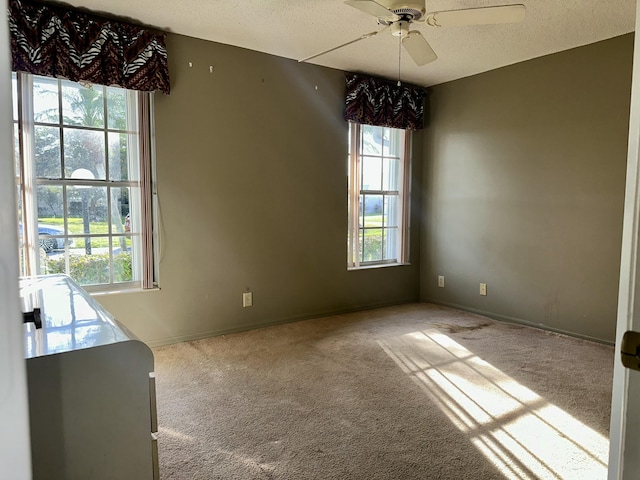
58, 42
375, 101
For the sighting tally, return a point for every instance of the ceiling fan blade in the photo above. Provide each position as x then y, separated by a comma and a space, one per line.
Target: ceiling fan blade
418, 48
372, 8
476, 16
361, 37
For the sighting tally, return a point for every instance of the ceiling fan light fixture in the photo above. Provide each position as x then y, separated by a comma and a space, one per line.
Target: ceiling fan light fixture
399, 28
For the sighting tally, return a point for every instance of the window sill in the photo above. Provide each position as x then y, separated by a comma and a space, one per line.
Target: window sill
378, 265
123, 290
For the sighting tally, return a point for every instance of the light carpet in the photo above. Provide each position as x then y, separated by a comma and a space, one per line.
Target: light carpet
415, 391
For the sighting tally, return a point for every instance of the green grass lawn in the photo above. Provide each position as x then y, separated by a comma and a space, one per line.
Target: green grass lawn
76, 227
373, 220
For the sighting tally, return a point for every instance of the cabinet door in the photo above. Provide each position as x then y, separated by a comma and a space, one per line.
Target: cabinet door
91, 413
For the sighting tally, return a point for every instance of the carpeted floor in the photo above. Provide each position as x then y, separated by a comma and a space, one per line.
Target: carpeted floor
408, 392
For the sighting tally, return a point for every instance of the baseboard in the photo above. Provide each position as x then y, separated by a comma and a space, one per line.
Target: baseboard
518, 321
297, 318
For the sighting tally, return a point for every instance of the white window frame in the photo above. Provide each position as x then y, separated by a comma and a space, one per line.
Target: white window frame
142, 207
355, 230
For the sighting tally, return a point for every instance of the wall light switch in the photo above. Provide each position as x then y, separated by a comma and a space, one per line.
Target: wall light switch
247, 299
483, 289
441, 281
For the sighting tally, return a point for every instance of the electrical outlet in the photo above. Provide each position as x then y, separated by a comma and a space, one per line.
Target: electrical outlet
483, 289
247, 299
441, 281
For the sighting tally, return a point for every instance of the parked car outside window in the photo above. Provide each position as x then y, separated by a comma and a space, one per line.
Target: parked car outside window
49, 243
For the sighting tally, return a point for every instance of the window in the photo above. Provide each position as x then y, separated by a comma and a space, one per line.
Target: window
83, 177
378, 195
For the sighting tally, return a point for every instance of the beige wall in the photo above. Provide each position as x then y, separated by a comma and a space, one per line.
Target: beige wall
524, 189
252, 181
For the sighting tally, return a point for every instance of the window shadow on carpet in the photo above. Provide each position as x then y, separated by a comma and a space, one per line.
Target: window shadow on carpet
517, 430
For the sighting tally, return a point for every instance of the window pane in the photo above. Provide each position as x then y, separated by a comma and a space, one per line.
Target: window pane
391, 239
117, 108
371, 140
14, 94
53, 263
391, 174
45, 100
51, 231
82, 106
123, 155
372, 250
121, 243
50, 206
84, 149
392, 142
371, 173
87, 211
19, 205
122, 260
373, 210
391, 211
16, 148
21, 249
132, 223
94, 268
47, 152
120, 220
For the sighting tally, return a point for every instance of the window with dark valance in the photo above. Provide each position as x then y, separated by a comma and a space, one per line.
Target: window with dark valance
62, 43
379, 102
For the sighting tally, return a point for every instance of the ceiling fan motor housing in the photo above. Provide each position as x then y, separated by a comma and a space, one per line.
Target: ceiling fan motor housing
407, 10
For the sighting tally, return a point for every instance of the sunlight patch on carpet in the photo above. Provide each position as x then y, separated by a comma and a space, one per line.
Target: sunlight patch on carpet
175, 434
520, 432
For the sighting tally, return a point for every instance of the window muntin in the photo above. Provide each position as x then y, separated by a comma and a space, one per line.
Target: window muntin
79, 154
378, 195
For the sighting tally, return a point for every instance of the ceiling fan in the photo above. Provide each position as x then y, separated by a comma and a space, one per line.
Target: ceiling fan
398, 15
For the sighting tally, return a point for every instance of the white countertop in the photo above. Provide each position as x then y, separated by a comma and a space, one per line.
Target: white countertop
71, 319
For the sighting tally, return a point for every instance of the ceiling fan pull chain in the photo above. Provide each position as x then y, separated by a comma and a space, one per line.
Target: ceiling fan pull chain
399, 54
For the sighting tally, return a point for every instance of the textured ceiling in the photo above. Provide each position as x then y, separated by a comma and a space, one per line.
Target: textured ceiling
299, 28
